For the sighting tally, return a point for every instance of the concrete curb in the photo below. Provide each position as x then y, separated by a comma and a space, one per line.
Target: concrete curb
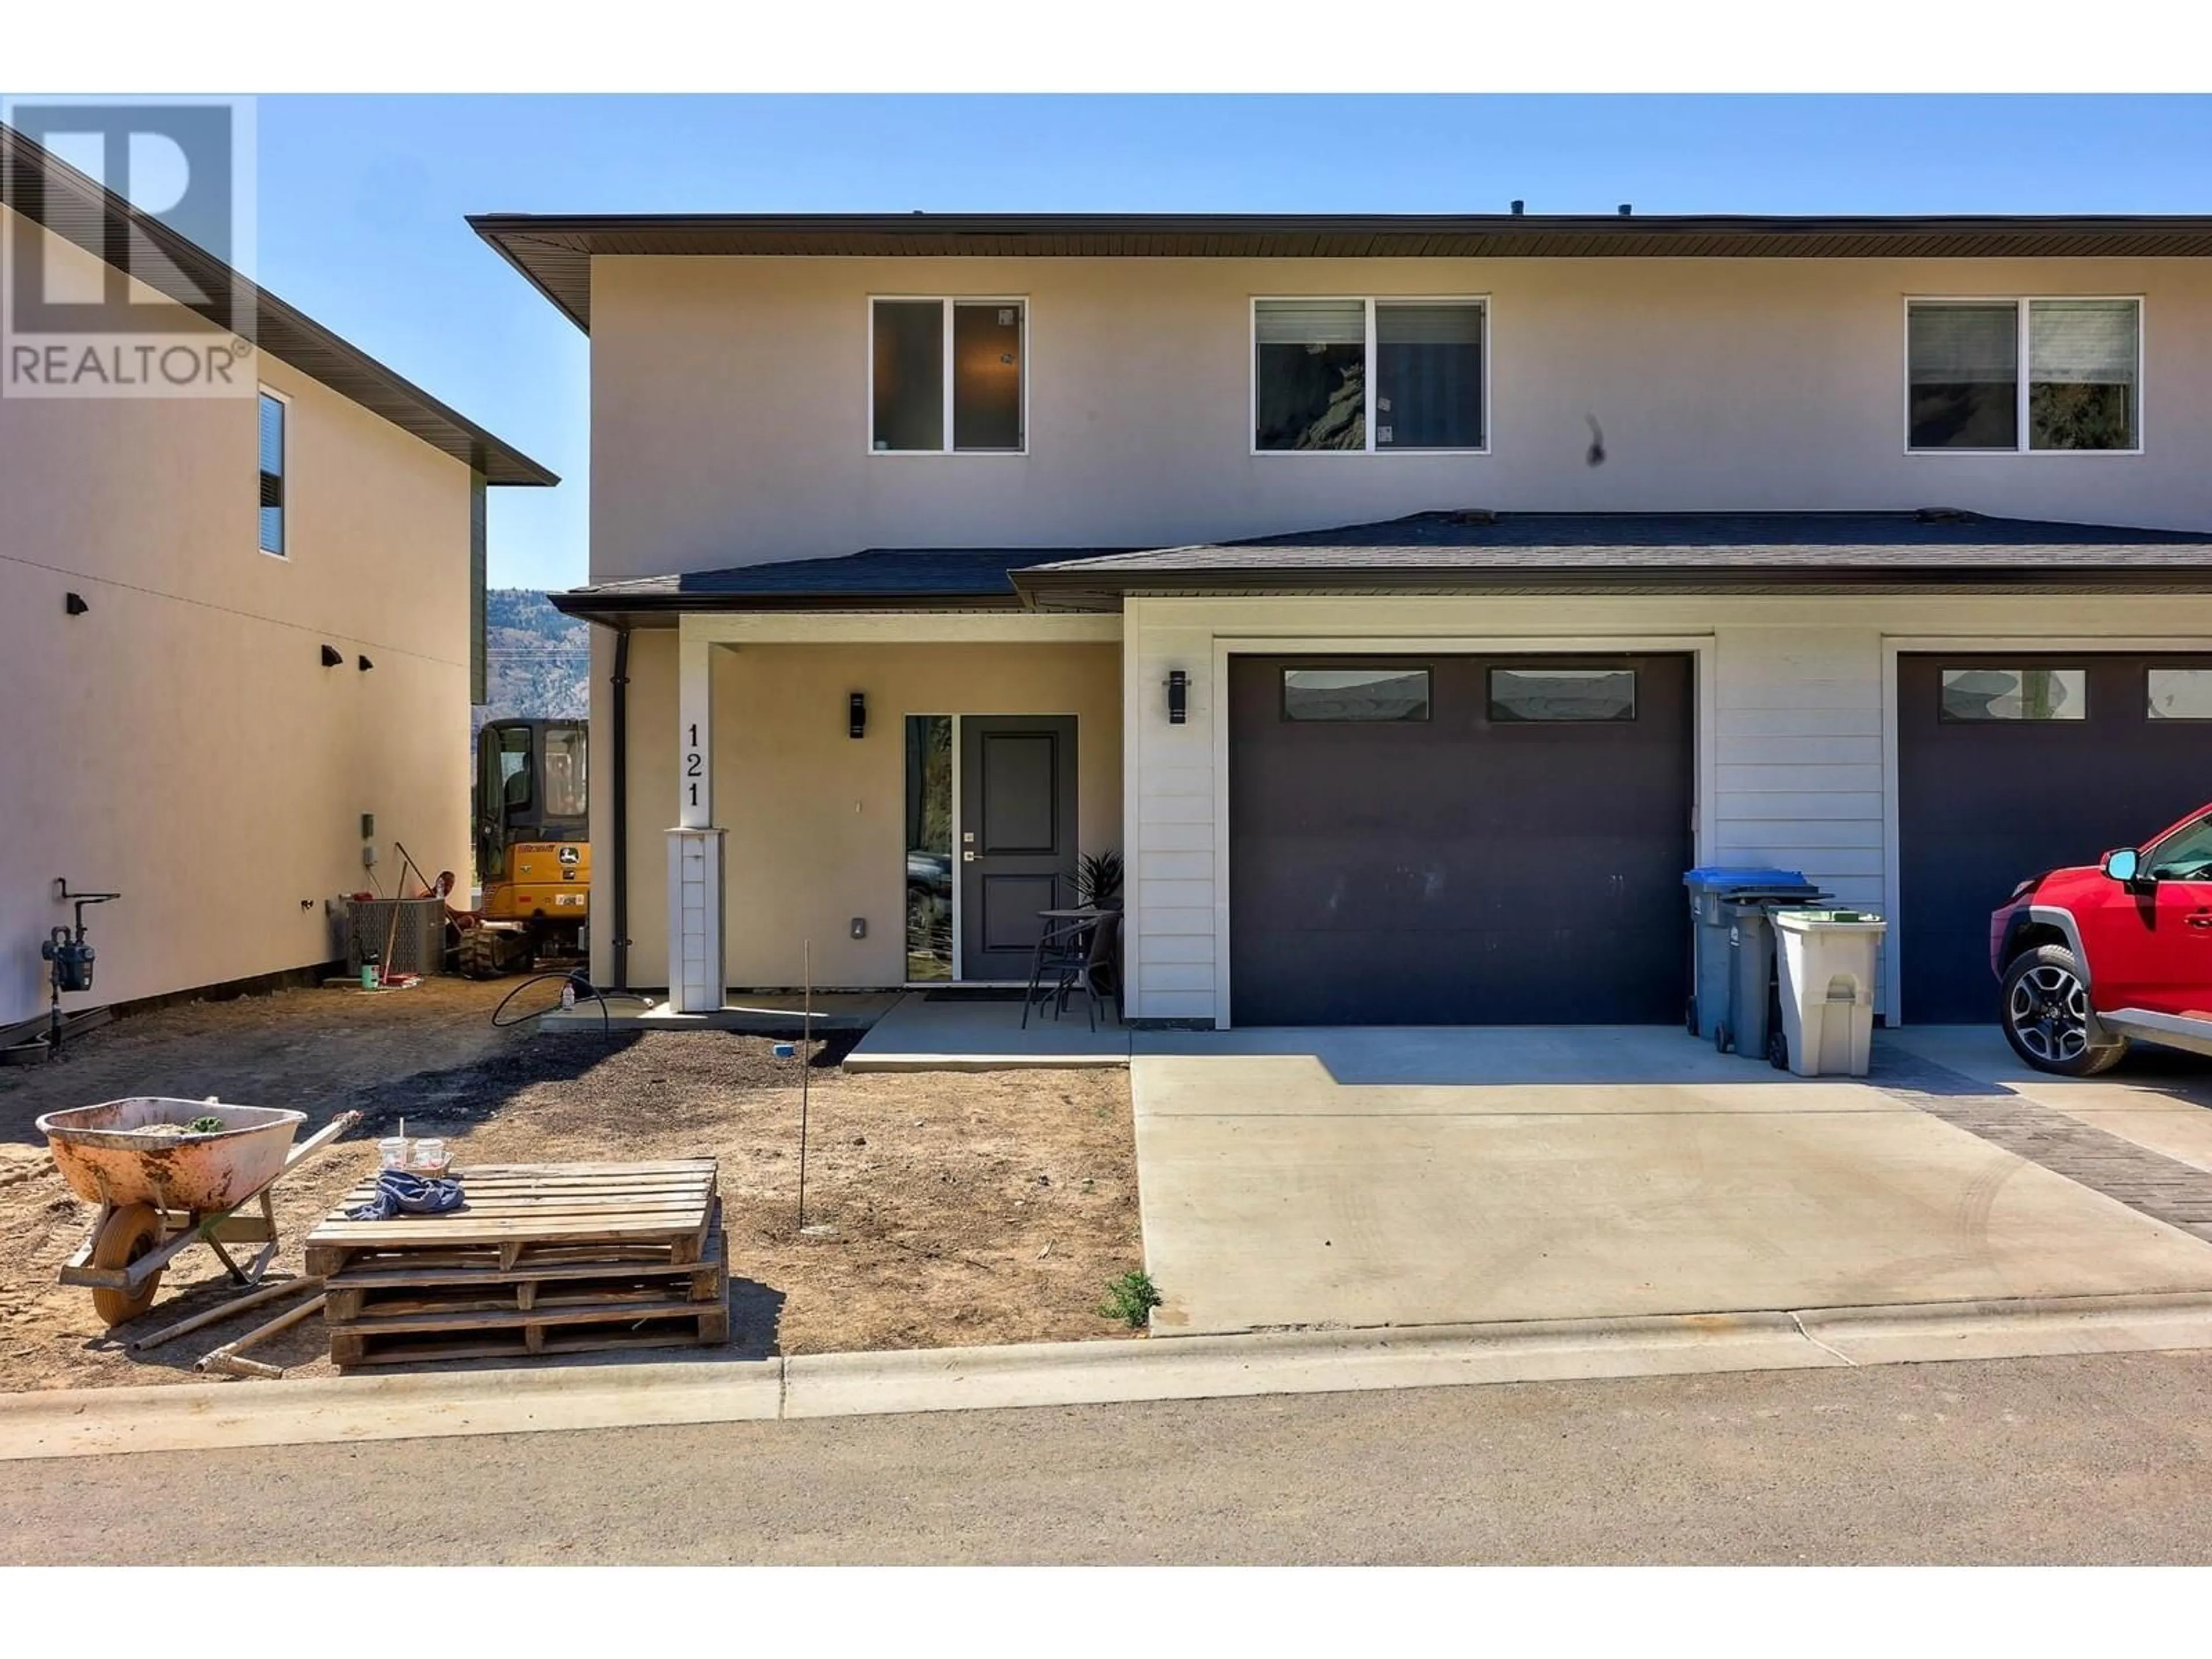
88, 1422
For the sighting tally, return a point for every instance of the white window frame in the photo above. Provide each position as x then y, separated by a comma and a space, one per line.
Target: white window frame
2023, 304
947, 301
284, 399
1370, 301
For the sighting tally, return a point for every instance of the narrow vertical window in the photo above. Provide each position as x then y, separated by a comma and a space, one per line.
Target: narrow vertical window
1965, 370
272, 475
909, 375
1428, 376
1310, 364
2081, 373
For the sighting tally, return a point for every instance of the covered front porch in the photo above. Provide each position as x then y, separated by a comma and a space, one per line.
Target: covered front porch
874, 801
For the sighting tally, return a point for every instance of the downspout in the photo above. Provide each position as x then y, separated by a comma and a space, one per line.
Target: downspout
619, 851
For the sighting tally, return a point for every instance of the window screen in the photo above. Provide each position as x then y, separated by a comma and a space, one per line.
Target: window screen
1964, 373
1562, 694
1428, 376
2081, 373
1385, 692
909, 369
2016, 693
272, 474
1310, 374
2178, 693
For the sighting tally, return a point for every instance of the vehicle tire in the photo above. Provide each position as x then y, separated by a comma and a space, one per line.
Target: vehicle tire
130, 1233
2045, 1011
1723, 1039
1777, 1047
478, 957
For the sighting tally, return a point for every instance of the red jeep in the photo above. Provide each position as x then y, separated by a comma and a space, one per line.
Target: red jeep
2092, 959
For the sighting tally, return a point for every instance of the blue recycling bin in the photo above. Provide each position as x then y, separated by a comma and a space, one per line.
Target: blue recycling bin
1710, 886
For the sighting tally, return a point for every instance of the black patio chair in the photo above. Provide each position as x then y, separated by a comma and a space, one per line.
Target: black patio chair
1093, 971
1062, 946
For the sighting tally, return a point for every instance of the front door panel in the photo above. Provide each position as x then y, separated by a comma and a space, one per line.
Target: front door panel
1017, 845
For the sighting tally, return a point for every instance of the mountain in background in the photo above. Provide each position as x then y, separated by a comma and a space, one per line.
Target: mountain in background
537, 663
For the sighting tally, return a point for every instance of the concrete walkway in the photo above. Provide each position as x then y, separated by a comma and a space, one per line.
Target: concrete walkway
953, 1031
1361, 1178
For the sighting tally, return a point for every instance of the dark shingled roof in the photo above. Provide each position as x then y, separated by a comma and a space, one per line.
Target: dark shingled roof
903, 578
1644, 551
1460, 552
43, 187
554, 250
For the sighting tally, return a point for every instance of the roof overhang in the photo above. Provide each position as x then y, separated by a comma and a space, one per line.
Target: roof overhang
44, 188
554, 250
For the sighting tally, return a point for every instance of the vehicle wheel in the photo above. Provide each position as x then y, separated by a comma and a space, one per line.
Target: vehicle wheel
1722, 1038
132, 1231
2045, 1011
478, 957
1777, 1047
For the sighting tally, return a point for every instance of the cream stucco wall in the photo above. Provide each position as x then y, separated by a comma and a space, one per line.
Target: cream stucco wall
730, 417
815, 819
181, 741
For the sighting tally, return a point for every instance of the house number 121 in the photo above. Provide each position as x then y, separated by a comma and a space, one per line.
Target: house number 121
695, 764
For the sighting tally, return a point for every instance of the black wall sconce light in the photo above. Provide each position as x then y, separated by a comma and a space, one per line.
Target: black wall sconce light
1178, 696
74, 604
363, 664
332, 656
856, 714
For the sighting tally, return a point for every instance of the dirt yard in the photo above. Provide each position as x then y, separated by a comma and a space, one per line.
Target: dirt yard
966, 1208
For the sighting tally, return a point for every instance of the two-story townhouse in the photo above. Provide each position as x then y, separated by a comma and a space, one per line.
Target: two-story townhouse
1872, 547
234, 629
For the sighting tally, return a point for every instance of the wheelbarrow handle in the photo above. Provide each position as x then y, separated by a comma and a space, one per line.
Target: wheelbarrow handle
322, 1137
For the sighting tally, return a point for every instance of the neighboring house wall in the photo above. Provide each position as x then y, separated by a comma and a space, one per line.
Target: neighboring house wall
815, 820
731, 402
1794, 765
181, 741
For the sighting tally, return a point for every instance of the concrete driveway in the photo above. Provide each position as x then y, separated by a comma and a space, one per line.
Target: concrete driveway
1423, 1176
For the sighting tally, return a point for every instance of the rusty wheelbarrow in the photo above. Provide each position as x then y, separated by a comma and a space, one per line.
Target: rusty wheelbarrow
161, 1187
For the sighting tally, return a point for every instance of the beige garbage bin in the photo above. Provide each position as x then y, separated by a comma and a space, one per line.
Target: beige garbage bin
1827, 970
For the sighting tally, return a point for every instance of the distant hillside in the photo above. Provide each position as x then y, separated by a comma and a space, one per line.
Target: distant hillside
537, 662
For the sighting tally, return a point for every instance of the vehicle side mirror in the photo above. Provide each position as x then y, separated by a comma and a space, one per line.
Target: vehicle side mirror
2124, 865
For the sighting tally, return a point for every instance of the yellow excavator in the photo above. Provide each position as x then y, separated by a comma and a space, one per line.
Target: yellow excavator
533, 855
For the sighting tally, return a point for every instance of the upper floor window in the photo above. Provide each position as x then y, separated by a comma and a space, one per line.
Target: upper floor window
272, 474
2081, 388
1368, 375
946, 376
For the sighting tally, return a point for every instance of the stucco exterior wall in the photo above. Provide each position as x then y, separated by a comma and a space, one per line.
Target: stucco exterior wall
181, 741
730, 403
1796, 761
815, 819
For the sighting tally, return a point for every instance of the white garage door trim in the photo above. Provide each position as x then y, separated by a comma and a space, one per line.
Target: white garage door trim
1704, 778
1894, 645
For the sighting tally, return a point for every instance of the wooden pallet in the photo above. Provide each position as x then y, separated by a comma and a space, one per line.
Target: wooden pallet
541, 1259
518, 1214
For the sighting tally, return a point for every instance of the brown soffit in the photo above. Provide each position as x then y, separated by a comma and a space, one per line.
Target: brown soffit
554, 250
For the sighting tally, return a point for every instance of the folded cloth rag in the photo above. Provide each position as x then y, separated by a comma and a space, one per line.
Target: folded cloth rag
400, 1193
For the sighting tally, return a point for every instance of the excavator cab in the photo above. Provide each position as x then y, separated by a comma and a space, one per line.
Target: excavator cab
533, 855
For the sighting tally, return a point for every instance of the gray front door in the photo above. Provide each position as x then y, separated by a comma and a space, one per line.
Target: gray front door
1016, 847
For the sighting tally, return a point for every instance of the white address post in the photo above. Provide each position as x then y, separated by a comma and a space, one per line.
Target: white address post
695, 846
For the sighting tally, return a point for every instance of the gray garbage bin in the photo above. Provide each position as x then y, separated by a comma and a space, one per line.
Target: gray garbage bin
1710, 887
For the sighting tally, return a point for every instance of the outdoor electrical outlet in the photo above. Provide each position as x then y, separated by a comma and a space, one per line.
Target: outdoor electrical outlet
859, 927
368, 856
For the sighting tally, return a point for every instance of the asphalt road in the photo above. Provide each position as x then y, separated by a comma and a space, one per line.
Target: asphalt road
2101, 1459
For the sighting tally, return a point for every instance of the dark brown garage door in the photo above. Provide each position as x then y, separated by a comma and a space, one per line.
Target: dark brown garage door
1457, 841
2011, 765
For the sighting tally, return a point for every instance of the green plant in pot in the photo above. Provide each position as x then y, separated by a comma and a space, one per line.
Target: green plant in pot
1099, 880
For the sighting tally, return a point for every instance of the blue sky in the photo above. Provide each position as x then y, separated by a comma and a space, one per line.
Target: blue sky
361, 199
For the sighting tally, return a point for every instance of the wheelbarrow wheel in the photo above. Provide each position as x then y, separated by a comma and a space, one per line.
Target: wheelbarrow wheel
130, 1233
